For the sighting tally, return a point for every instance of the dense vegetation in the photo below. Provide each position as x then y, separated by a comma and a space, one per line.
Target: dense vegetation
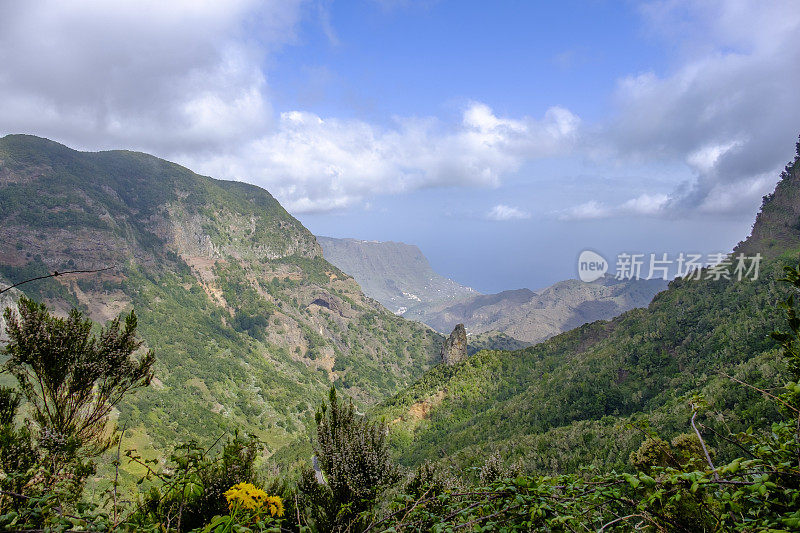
583, 386
677, 485
70, 380
580, 398
251, 325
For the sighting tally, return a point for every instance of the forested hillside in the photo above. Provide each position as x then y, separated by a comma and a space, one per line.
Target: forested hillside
567, 402
250, 325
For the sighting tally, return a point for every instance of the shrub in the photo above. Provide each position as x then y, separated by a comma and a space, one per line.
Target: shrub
354, 458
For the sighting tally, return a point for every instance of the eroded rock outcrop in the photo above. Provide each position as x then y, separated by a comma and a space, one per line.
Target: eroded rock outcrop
328, 302
454, 349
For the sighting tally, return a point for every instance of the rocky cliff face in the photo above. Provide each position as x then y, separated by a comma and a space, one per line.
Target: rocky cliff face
533, 316
454, 348
249, 323
399, 276
396, 274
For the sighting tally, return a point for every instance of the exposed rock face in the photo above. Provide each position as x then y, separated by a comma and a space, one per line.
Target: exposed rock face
454, 349
231, 291
396, 274
533, 316
329, 302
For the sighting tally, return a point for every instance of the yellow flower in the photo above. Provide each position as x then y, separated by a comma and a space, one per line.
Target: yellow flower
275, 505
250, 497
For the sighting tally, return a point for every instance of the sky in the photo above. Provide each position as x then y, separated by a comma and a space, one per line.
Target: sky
502, 138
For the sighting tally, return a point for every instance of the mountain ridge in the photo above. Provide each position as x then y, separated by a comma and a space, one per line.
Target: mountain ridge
589, 396
396, 274
249, 323
400, 277
533, 316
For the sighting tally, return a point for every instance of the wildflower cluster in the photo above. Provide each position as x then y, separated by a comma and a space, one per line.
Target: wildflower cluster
248, 496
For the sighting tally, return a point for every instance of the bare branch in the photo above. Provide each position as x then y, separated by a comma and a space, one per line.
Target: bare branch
703, 444
55, 274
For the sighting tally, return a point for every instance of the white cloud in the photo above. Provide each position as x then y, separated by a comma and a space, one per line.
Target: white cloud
159, 76
730, 109
644, 204
736, 197
312, 163
705, 158
728, 112
502, 212
184, 80
585, 211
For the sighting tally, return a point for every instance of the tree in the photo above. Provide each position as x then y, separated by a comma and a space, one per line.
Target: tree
71, 380
353, 456
17, 451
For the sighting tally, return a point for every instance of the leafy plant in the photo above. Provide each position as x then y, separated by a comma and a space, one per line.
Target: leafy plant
250, 508
70, 379
355, 461
17, 452
190, 489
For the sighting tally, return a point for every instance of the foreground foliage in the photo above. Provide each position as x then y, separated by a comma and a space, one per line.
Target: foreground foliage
669, 486
675, 488
70, 380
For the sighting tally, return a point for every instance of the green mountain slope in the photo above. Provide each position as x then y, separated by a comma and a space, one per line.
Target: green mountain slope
566, 403
249, 323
